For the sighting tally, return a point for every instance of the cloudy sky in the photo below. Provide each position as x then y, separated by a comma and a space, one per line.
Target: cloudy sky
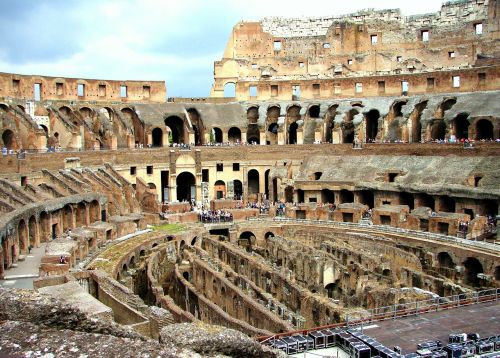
172, 40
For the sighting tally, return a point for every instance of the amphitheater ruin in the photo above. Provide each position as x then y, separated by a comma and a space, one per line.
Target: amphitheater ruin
340, 165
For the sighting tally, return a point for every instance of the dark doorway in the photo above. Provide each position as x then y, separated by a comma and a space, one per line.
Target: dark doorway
176, 126
157, 135
165, 174
292, 133
366, 197
438, 129
472, 268
186, 189
217, 135
462, 126
372, 125
346, 196
238, 189
484, 129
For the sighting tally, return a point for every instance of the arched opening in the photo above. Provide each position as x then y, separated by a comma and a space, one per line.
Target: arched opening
234, 135
445, 260
293, 115
247, 238
238, 189
268, 235
266, 183
186, 186
346, 196
386, 272
65, 110
176, 126
81, 214
327, 196
253, 115
45, 129
198, 126
275, 189
461, 126
273, 114
185, 274
22, 232
416, 124
253, 134
253, 184
157, 135
372, 118
272, 133
289, 194
438, 129
33, 232
230, 90
347, 126
220, 189
9, 139
193, 242
366, 197
472, 268
445, 106
44, 227
497, 273
484, 129
314, 111
132, 261
292, 133
94, 211
67, 217
216, 135
447, 204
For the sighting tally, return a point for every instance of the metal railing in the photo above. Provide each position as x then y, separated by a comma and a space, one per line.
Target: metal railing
401, 310
389, 229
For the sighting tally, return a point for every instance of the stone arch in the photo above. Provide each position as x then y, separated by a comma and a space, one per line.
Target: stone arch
238, 189
484, 129
186, 186
133, 120
234, 135
372, 118
157, 137
330, 122
268, 235
416, 124
253, 184
444, 106
81, 214
131, 262
230, 90
273, 113
314, 111
198, 126
253, 115
33, 232
293, 115
438, 129
266, 183
472, 267
44, 226
246, 240
445, 260
253, 134
67, 214
65, 110
22, 232
220, 189
94, 211
194, 241
86, 113
176, 126
217, 135
9, 140
347, 126
461, 125
497, 273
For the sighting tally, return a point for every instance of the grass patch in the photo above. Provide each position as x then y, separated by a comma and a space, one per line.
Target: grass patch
171, 228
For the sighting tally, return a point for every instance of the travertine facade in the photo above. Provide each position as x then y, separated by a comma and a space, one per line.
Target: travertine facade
368, 53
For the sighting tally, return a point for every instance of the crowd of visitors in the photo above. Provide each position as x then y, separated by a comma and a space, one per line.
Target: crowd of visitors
215, 216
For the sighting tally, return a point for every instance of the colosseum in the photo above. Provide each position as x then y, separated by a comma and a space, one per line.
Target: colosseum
341, 174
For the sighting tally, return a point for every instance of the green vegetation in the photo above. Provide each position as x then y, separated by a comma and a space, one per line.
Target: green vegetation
171, 228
